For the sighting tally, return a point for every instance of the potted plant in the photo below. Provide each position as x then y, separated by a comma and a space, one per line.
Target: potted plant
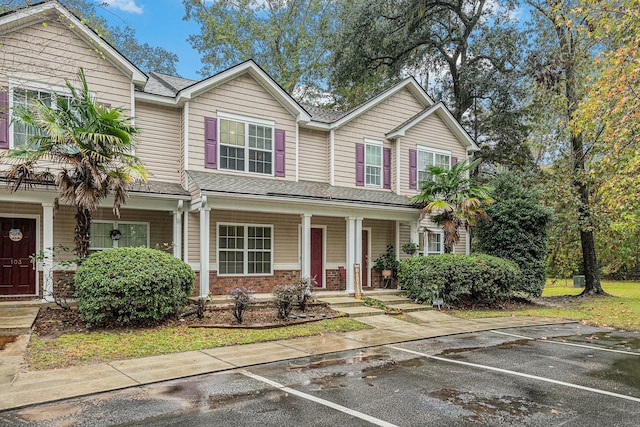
410, 248
386, 262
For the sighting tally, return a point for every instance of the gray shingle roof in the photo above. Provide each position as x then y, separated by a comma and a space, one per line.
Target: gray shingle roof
166, 85
246, 185
160, 187
324, 115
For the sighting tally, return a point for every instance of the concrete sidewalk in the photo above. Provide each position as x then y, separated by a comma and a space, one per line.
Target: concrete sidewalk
29, 388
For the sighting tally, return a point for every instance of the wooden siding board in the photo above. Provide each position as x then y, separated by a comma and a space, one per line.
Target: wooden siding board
314, 155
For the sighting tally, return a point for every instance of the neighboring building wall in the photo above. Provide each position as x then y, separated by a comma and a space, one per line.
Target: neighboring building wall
159, 141
314, 155
375, 124
243, 96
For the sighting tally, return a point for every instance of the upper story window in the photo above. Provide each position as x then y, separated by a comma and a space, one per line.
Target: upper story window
373, 164
26, 97
246, 146
430, 157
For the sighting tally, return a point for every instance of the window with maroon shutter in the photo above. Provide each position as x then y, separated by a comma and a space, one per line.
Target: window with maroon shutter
210, 143
413, 170
280, 153
386, 170
4, 119
454, 160
360, 165
431, 157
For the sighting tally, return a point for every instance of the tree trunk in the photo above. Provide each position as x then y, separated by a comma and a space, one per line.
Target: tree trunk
589, 259
82, 237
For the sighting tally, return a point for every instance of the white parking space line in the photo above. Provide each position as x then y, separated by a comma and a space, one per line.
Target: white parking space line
344, 409
592, 347
519, 374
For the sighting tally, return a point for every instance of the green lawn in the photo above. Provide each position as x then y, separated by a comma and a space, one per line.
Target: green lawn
95, 347
621, 310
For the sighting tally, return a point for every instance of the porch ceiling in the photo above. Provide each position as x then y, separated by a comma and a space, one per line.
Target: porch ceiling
308, 190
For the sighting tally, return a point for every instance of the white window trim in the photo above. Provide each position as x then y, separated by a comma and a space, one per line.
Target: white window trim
245, 266
33, 85
426, 242
247, 121
434, 151
115, 227
376, 143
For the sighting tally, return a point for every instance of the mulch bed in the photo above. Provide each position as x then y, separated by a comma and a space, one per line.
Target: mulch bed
53, 322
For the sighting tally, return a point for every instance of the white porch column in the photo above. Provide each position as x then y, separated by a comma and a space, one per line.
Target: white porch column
414, 232
47, 245
351, 252
177, 230
305, 249
205, 215
396, 245
185, 235
358, 247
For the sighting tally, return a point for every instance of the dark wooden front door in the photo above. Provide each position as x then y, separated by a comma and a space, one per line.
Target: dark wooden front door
317, 258
365, 257
17, 243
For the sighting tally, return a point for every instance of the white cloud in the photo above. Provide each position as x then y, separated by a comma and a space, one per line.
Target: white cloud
124, 5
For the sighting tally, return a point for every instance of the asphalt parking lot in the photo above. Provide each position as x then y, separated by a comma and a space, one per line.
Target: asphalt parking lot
571, 375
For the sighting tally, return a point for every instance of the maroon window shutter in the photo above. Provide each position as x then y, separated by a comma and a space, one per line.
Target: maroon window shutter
4, 120
454, 160
413, 169
386, 167
210, 143
360, 165
280, 153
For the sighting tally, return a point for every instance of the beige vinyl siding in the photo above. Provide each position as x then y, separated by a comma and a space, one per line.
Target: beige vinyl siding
382, 233
432, 132
159, 141
460, 248
194, 237
374, 124
246, 97
336, 232
314, 155
405, 236
285, 231
50, 54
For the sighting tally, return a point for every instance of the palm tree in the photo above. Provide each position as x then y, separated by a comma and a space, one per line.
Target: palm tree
452, 200
90, 146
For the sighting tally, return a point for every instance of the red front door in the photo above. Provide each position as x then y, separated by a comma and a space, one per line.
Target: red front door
317, 259
17, 243
365, 258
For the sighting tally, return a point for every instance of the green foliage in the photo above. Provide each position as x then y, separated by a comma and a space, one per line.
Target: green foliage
518, 229
288, 39
410, 248
453, 200
457, 278
242, 298
386, 260
132, 286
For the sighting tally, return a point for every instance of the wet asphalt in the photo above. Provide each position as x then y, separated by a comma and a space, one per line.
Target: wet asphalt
444, 381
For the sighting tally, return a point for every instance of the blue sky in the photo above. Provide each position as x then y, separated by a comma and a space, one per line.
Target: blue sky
159, 23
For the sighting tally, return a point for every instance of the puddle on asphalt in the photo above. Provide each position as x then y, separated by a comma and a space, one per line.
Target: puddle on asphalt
216, 401
625, 371
608, 340
329, 382
4, 340
492, 408
324, 363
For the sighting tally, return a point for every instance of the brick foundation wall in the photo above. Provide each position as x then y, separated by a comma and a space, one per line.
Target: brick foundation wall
334, 281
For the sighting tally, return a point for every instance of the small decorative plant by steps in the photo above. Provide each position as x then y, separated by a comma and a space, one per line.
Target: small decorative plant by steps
386, 262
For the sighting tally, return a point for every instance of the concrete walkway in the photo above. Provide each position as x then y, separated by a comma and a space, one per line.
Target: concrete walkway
29, 388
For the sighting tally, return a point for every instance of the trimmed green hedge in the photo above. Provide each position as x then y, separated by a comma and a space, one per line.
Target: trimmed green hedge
458, 277
131, 286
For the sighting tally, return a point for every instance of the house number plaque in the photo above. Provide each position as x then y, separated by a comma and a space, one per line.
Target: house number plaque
15, 234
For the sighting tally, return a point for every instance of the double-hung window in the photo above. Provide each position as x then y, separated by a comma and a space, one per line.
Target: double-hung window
120, 234
245, 249
373, 164
434, 242
246, 145
430, 157
26, 97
